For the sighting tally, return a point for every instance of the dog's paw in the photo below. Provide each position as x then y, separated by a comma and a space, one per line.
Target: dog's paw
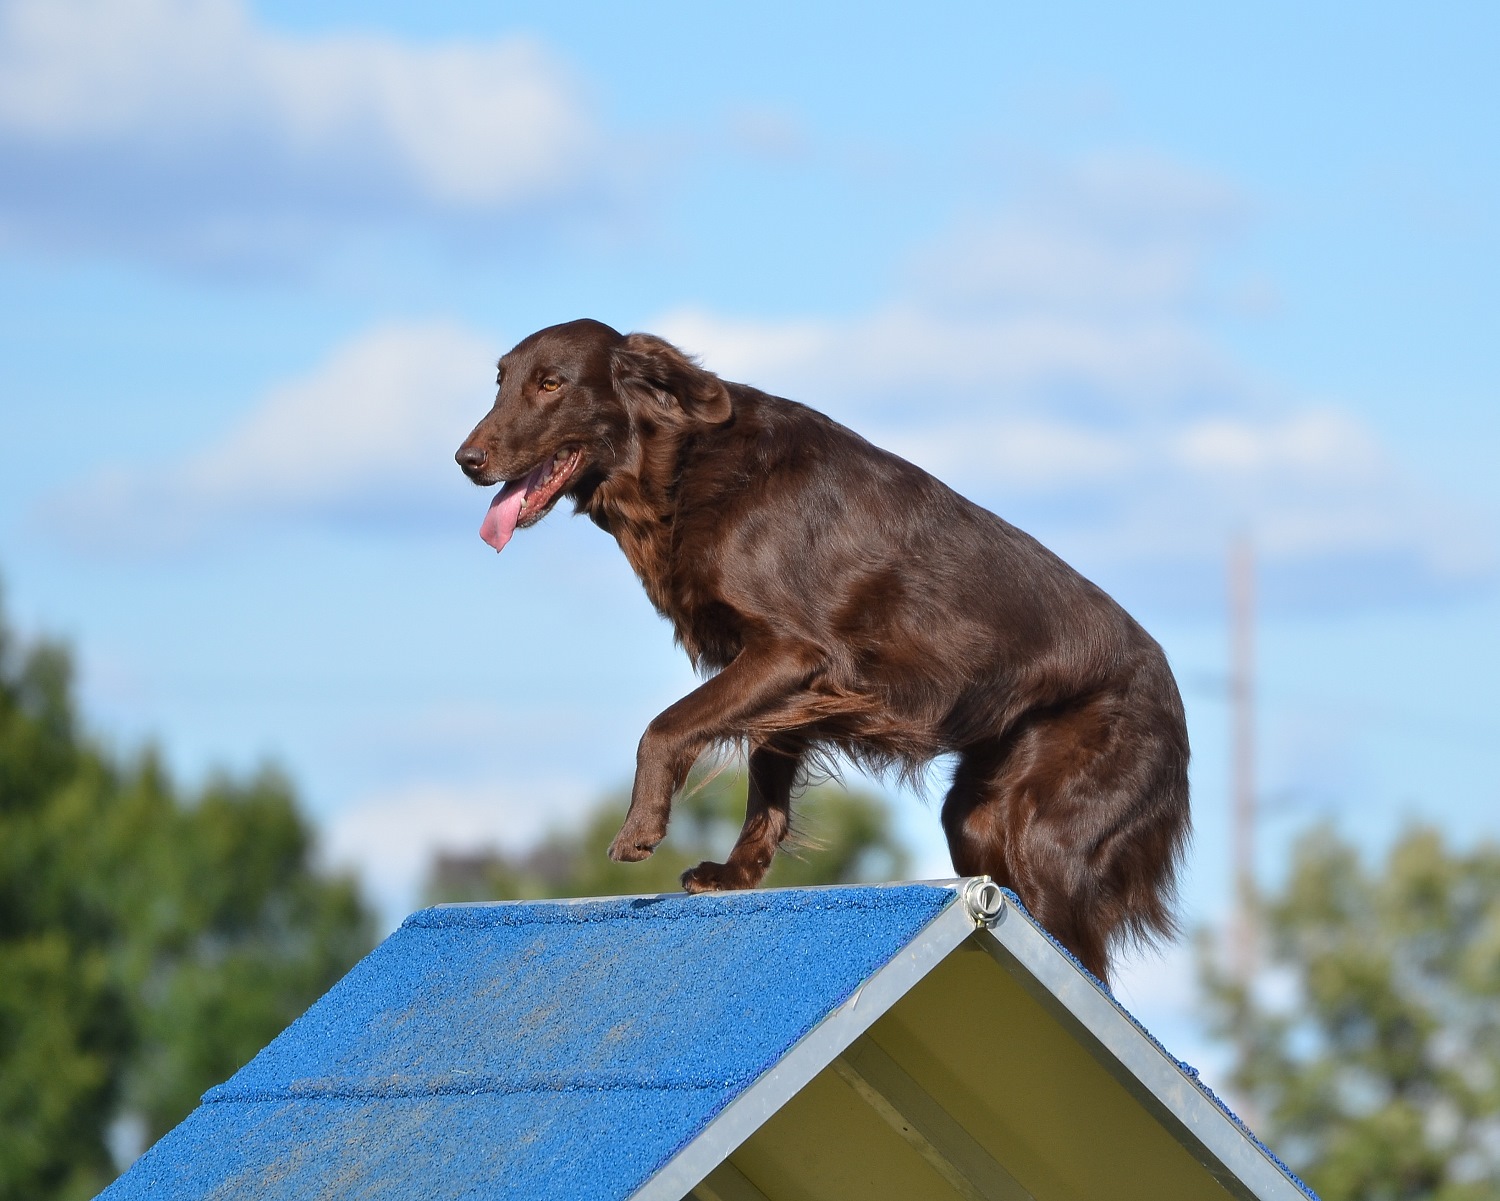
629, 847
716, 877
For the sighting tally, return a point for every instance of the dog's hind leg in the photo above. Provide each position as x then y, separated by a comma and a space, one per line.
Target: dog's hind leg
768, 819
1083, 813
975, 826
993, 819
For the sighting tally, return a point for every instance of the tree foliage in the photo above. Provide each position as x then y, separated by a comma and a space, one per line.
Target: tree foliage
842, 837
1377, 1075
149, 943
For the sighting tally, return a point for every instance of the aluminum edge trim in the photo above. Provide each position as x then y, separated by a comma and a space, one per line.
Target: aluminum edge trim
744, 1115
1144, 1069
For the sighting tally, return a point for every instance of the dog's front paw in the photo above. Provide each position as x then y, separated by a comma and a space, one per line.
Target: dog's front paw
716, 877
631, 847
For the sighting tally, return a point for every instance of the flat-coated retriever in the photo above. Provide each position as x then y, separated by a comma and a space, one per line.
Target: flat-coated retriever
850, 603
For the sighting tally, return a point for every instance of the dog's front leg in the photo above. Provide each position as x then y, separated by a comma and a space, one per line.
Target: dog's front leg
747, 694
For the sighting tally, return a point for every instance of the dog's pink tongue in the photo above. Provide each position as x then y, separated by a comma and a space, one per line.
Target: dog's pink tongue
505, 509
504, 512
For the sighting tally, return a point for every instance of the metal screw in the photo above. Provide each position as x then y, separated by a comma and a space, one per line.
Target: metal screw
984, 900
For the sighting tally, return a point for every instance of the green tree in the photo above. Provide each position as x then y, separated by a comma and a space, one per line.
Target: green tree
841, 837
149, 944
1378, 1074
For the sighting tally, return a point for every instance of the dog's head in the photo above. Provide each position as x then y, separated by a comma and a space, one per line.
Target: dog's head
579, 405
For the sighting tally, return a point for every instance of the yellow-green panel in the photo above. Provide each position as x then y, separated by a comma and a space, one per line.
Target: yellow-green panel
826, 1144
1028, 1093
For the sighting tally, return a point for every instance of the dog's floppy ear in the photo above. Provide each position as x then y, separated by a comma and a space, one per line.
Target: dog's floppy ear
647, 365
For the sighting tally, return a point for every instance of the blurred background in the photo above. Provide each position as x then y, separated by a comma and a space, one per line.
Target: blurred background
1204, 299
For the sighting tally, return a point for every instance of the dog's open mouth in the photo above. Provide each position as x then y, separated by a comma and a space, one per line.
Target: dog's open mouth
525, 501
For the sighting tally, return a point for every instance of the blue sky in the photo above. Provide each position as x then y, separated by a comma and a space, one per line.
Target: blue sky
1137, 278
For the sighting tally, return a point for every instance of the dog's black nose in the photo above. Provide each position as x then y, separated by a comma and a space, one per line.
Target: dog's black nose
470, 458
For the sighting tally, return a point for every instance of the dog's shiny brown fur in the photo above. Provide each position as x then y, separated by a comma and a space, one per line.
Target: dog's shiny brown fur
848, 602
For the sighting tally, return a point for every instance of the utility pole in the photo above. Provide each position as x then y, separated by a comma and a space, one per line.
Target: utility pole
1244, 931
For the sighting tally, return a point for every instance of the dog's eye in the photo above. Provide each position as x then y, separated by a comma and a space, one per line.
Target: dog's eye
550, 385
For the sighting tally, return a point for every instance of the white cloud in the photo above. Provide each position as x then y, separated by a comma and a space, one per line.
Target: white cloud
923, 360
1132, 444
1123, 434
1126, 444
175, 110
1052, 358
1121, 234
1324, 442
1081, 291
384, 411
1026, 264
1312, 487
1027, 453
772, 135
368, 435
390, 840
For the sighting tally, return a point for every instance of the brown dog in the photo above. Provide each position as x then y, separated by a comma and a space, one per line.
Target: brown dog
851, 603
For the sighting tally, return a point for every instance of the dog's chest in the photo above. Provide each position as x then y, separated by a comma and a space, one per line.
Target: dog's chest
648, 547
678, 583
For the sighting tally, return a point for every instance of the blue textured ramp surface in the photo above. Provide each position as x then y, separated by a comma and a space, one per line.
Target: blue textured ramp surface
543, 1050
